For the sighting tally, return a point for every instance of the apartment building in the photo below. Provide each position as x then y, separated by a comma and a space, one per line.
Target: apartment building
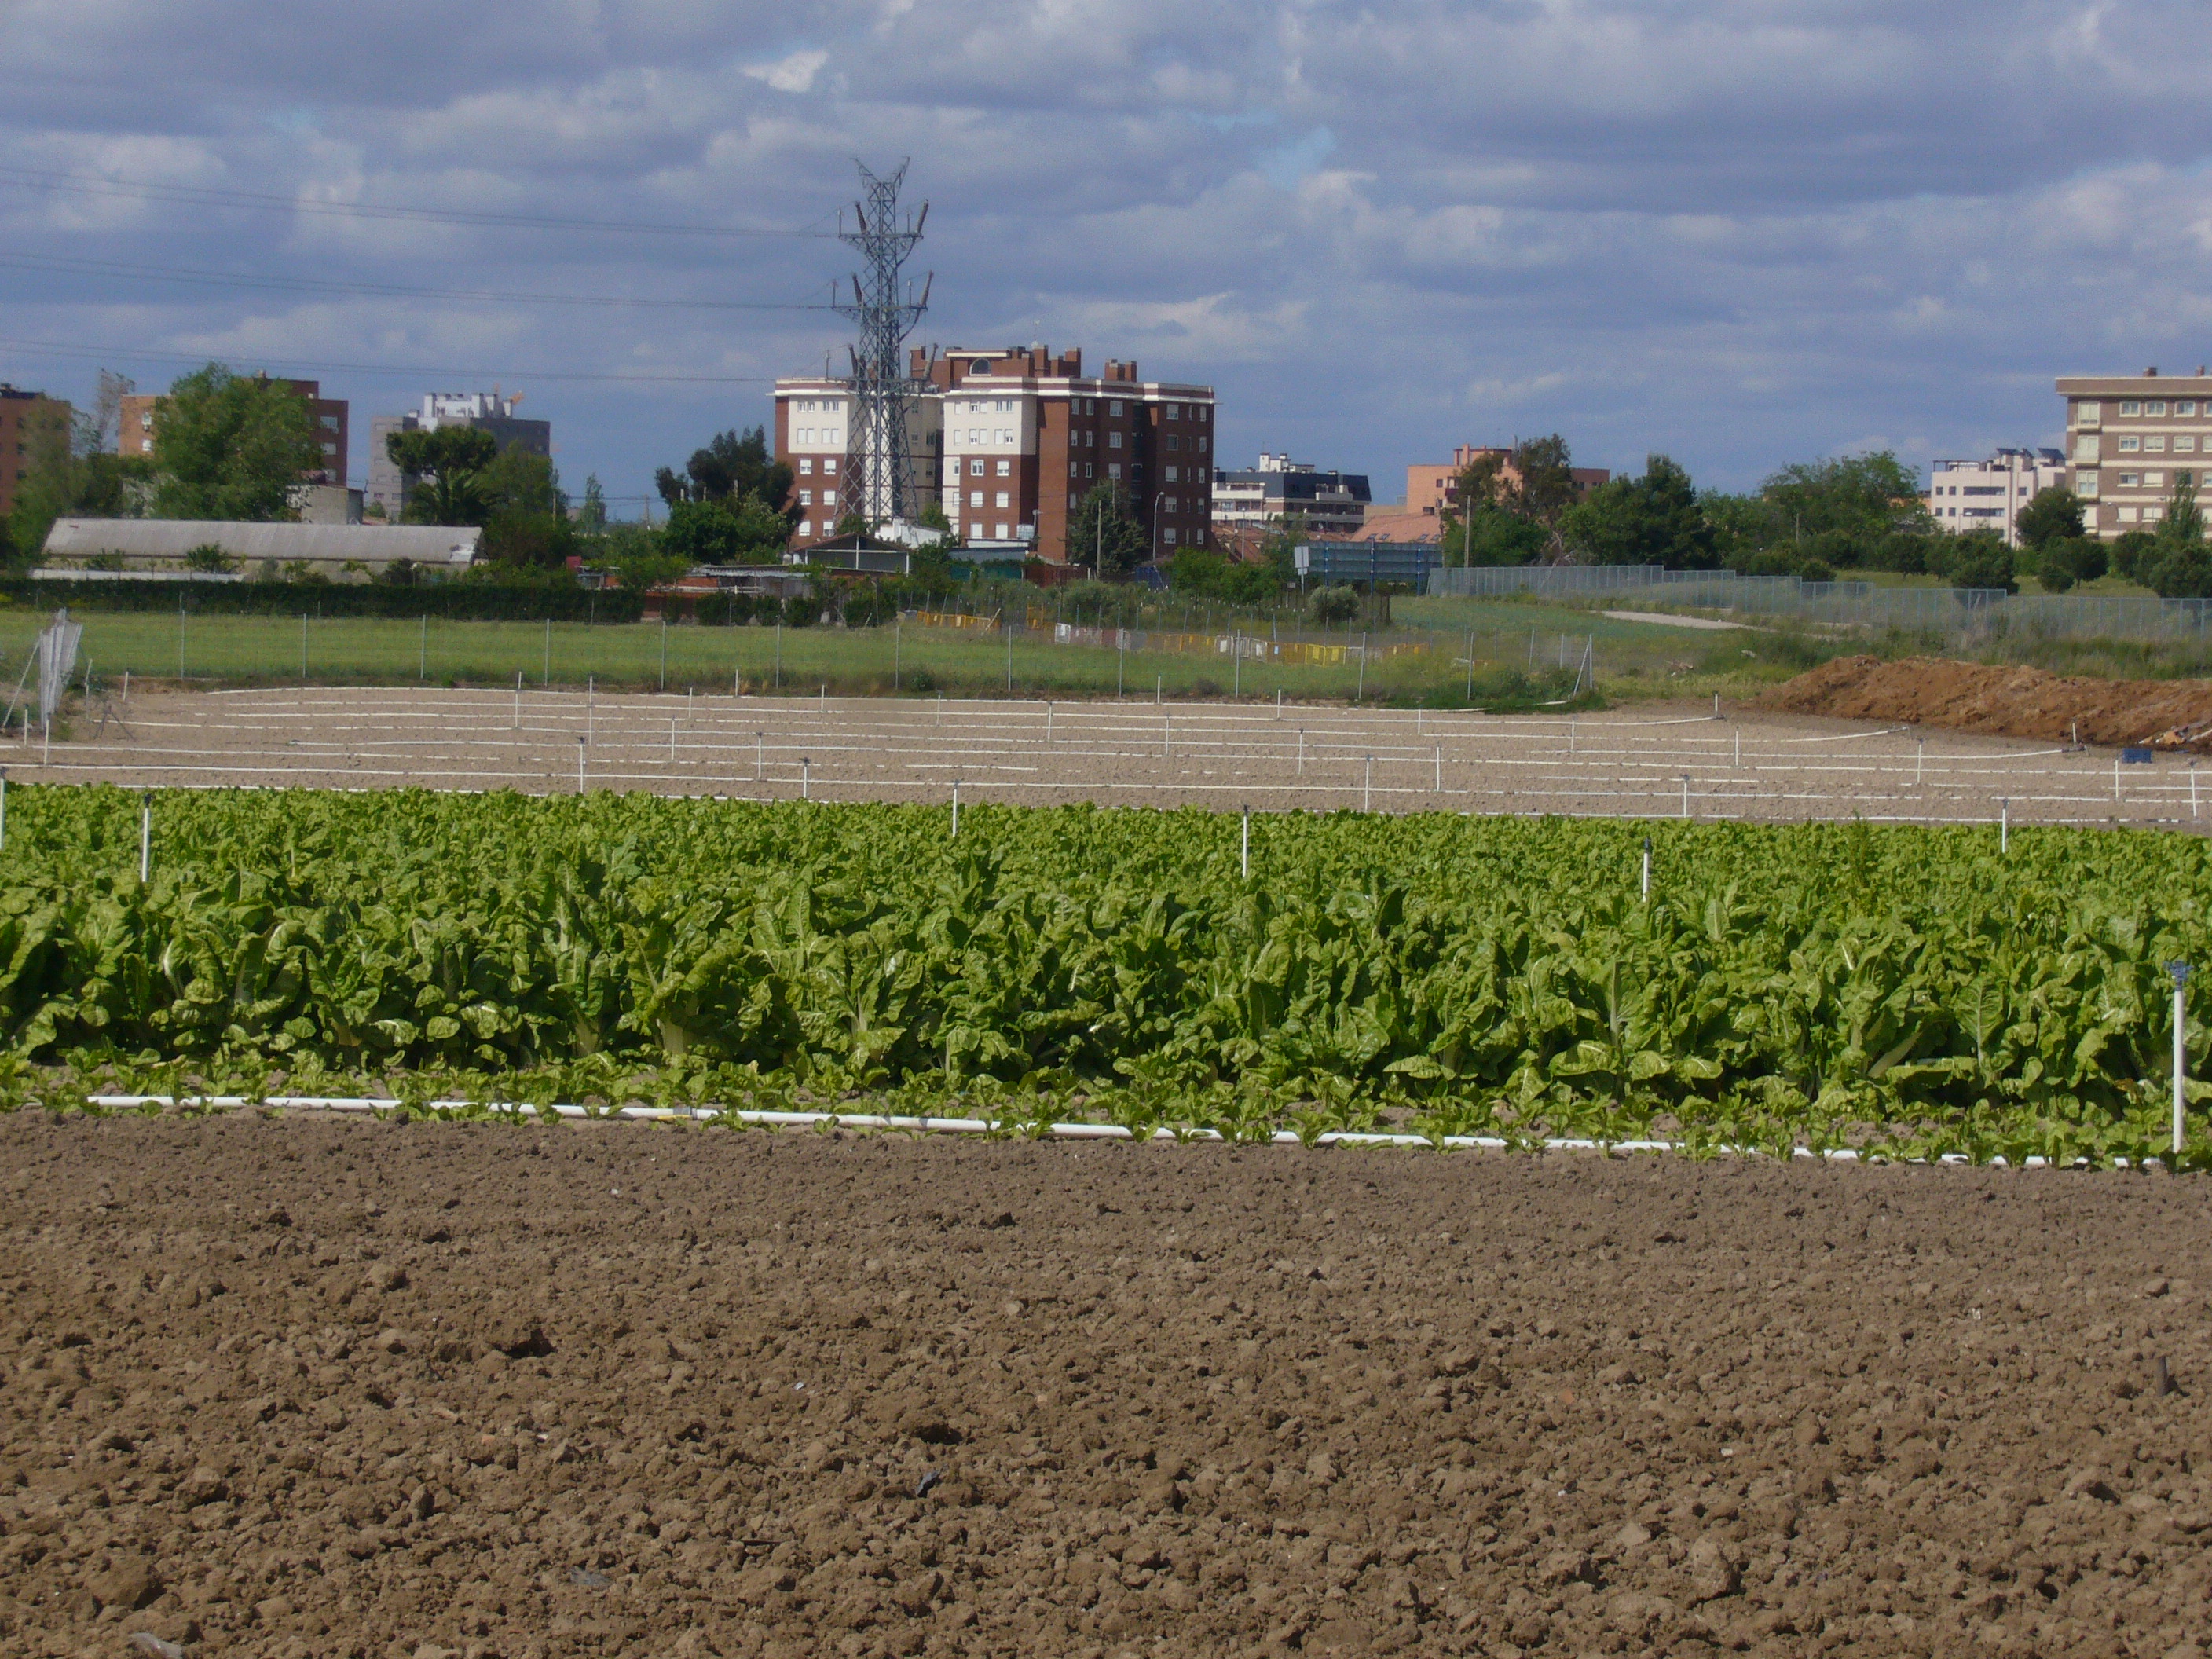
811, 418
1010, 440
1433, 490
141, 411
1988, 495
1254, 498
492, 411
2130, 439
29, 421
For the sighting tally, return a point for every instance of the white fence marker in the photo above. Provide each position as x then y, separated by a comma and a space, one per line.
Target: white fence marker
145, 837
1367, 783
2180, 972
1647, 869
1244, 857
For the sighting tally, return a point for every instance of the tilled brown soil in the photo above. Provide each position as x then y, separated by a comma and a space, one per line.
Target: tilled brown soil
334, 1387
2014, 701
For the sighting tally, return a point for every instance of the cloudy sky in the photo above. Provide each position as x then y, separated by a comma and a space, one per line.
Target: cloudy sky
1743, 232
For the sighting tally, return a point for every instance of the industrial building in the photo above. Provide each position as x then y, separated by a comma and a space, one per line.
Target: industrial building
488, 411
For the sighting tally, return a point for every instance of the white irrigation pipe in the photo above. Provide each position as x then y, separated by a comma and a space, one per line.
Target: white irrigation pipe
2180, 972
1014, 1129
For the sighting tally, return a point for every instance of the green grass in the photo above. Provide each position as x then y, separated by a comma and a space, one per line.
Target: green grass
246, 650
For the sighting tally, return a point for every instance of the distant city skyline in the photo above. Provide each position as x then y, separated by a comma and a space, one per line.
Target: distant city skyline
1741, 235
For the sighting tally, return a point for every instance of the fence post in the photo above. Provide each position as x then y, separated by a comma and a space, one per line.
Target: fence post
2180, 972
145, 837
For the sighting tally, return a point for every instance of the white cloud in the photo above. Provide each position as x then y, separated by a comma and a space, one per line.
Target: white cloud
794, 73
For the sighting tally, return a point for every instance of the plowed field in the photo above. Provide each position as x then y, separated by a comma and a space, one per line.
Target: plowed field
320, 1386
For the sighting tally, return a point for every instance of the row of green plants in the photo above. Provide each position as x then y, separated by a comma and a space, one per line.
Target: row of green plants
1912, 990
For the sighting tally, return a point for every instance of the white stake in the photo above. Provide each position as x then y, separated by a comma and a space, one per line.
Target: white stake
956, 809
3, 808
1647, 869
1302, 752
805, 778
1738, 762
1919, 757
760, 754
126, 686
145, 837
1278, 695
1717, 705
2192, 789
580, 766
1167, 735
1047, 724
1245, 858
1686, 794
591, 707
2004, 826
1440, 768
1159, 680
2180, 972
1367, 783
46, 743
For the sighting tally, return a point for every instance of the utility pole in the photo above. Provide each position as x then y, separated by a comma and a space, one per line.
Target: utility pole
878, 471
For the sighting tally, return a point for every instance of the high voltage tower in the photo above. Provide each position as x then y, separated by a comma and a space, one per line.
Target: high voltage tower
879, 481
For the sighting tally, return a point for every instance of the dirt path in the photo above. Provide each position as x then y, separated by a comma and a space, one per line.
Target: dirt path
320, 1387
2015, 703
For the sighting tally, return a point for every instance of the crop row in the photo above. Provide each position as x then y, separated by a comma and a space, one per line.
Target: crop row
1809, 983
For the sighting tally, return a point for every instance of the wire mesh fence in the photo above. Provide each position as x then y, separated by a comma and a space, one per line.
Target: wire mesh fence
1963, 614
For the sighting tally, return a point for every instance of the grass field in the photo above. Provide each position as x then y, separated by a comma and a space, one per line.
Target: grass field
885, 660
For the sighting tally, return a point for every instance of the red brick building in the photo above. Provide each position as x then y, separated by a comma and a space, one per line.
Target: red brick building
29, 421
1009, 440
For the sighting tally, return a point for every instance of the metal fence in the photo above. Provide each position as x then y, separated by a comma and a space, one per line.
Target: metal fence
1970, 614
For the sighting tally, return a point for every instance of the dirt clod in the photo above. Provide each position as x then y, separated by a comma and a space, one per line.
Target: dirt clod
2004, 701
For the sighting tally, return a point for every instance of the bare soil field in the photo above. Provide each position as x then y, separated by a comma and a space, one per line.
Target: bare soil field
1651, 761
333, 1386
2006, 701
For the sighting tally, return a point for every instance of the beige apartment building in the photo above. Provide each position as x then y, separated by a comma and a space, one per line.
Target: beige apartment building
2130, 439
1432, 488
1009, 440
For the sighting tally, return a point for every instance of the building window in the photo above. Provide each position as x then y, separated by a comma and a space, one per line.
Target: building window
1113, 440
1004, 532
2129, 480
1002, 502
806, 435
1201, 443
1003, 406
2154, 481
1005, 469
2185, 444
2127, 515
806, 498
2152, 515
828, 498
2130, 445
2154, 445
2129, 406
806, 466
1070, 469
1113, 407
829, 464
1089, 468
331, 423
975, 498
806, 526
2086, 414
1174, 411
1114, 469
2085, 483
975, 468
1174, 442
2156, 406
1172, 472
2186, 406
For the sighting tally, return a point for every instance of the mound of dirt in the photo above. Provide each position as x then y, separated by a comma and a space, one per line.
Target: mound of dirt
2012, 702
278, 1390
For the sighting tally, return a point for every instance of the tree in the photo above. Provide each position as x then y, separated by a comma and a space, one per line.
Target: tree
1653, 520
231, 446
1482, 483
592, 516
1207, 574
719, 531
68, 473
1866, 495
2176, 566
1547, 489
1980, 559
445, 467
731, 466
2055, 515
1493, 535
1102, 535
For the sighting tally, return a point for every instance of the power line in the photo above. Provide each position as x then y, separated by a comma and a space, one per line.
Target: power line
120, 354
88, 184
318, 285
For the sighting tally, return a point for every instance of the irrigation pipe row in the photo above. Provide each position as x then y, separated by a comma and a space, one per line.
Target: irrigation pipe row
878, 1123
